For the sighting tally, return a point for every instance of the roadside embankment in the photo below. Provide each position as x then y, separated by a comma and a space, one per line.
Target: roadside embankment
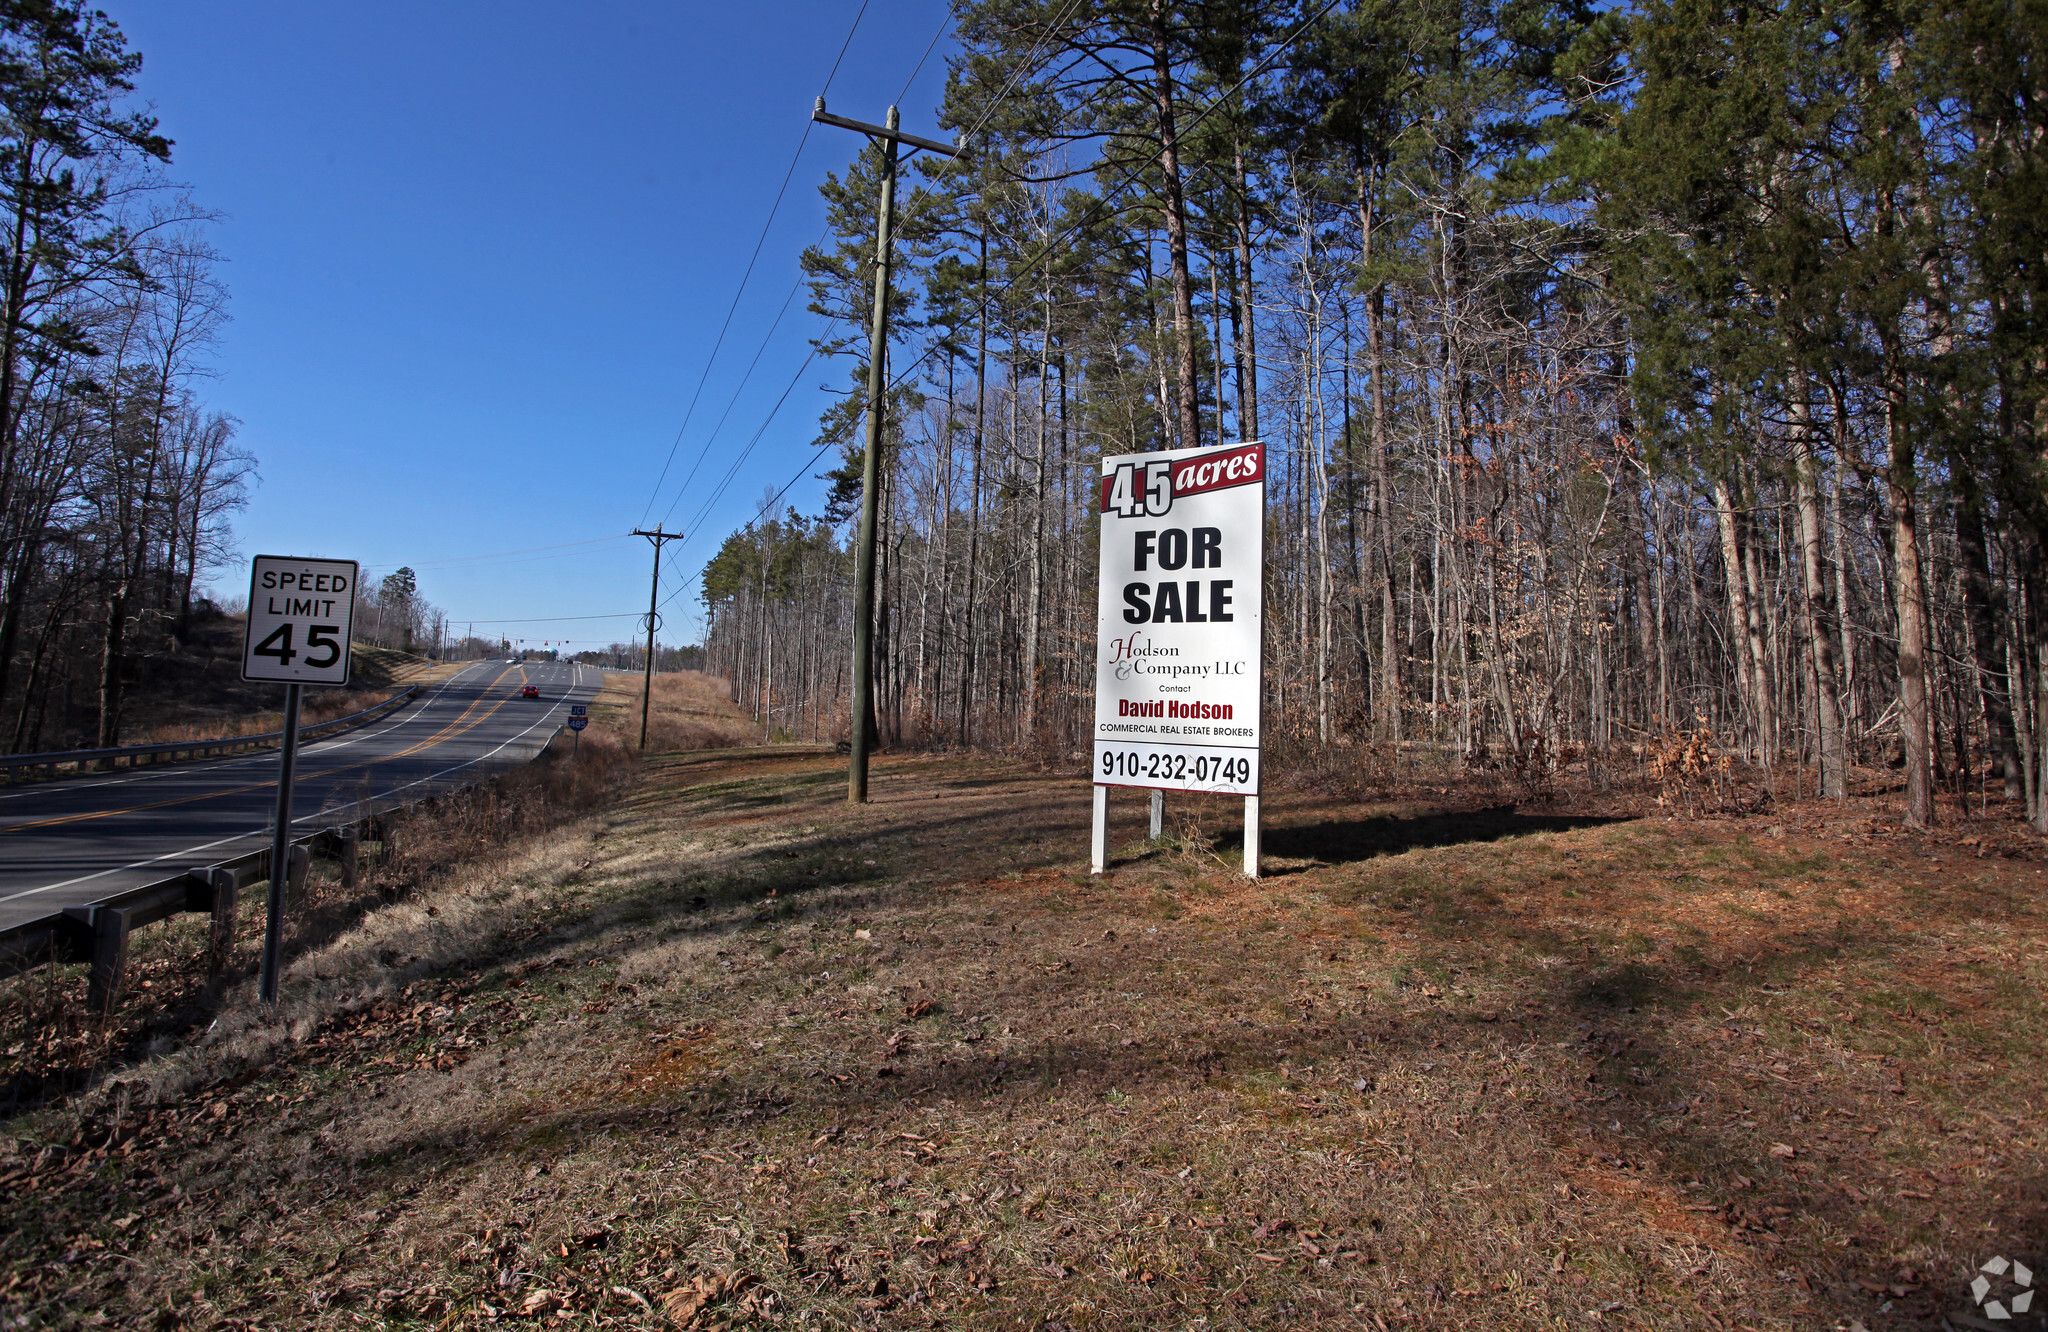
724, 1051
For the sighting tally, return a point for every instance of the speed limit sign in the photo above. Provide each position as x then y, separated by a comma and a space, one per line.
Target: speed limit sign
299, 614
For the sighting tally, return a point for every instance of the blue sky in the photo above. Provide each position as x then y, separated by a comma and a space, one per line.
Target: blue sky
478, 255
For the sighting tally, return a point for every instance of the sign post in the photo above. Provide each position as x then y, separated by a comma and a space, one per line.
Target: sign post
300, 614
1180, 631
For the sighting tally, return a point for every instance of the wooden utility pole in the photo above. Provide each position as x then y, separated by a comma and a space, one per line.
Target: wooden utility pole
863, 721
657, 536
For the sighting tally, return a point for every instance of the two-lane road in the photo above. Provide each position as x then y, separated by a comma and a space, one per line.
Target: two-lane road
69, 843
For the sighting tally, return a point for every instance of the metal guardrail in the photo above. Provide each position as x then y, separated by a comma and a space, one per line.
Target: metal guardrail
98, 933
201, 748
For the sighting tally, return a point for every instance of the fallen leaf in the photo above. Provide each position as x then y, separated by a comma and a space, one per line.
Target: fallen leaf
683, 1304
1783, 1151
540, 1302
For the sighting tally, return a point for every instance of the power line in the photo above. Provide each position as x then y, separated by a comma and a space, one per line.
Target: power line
547, 619
1022, 65
696, 526
500, 554
796, 477
704, 510
655, 494
689, 412
930, 46
842, 48
1050, 245
738, 389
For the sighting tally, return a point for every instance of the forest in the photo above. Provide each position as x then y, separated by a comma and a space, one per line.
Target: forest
1630, 375
117, 481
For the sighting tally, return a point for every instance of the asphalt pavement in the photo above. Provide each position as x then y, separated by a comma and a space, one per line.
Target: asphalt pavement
77, 841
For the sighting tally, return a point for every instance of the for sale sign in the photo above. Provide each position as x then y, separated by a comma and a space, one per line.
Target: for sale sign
299, 618
1180, 629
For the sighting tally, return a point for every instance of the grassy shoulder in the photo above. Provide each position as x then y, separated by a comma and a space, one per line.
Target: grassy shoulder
729, 1053
686, 710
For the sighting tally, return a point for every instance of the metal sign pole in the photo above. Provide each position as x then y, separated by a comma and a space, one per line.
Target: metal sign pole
300, 615
280, 846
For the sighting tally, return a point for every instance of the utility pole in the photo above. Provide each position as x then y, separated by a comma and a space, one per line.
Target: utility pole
657, 536
863, 722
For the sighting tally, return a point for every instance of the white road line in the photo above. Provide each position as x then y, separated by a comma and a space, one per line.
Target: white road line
176, 770
258, 832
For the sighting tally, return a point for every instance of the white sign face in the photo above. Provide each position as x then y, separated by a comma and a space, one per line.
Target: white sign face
299, 619
1179, 620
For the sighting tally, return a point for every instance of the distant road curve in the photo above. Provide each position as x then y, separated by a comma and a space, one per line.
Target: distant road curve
70, 843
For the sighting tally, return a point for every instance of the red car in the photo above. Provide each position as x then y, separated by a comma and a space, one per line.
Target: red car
531, 691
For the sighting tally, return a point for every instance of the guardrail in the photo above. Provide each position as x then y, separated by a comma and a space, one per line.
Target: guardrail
98, 933
14, 763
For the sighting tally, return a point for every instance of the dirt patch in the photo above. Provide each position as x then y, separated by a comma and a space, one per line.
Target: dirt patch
736, 1054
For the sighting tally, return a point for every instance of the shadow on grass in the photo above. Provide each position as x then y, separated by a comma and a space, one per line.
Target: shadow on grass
1339, 841
1630, 985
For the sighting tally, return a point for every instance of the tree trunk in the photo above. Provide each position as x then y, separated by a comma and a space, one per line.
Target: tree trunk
1984, 603
1248, 406
1176, 230
1748, 656
1834, 765
1916, 717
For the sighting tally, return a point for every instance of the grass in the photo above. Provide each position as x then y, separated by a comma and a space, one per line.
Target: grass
726, 1052
687, 710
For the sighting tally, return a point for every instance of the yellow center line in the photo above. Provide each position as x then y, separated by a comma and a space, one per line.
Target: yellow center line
448, 732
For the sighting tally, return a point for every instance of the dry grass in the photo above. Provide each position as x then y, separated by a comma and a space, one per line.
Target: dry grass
319, 705
53, 1046
687, 710
731, 1054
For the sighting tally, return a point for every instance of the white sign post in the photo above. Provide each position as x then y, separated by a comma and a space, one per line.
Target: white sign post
1180, 630
300, 613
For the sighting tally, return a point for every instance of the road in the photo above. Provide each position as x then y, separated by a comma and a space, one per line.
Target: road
73, 842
